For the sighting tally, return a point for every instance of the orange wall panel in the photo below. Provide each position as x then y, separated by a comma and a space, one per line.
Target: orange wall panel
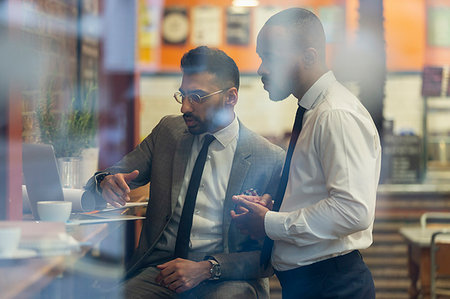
245, 56
405, 34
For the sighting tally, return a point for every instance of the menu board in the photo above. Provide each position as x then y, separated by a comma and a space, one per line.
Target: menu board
238, 26
436, 81
402, 159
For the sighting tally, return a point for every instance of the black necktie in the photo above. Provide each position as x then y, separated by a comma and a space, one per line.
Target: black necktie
184, 228
268, 243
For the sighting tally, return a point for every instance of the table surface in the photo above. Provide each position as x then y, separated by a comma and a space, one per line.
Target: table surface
422, 236
22, 278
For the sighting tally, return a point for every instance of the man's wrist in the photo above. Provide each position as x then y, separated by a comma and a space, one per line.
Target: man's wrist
215, 271
206, 265
99, 177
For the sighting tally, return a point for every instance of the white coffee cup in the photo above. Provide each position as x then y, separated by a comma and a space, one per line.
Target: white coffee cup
58, 211
9, 240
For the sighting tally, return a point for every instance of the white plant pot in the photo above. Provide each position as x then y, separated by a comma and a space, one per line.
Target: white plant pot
89, 163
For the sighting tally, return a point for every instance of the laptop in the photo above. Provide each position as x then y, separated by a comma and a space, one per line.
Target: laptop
41, 175
43, 183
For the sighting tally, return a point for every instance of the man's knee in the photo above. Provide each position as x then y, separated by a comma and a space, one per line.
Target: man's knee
143, 286
232, 289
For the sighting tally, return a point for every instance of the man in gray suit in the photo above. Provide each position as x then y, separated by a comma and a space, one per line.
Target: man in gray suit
221, 262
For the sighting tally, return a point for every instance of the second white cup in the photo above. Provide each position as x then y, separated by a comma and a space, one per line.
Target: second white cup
9, 240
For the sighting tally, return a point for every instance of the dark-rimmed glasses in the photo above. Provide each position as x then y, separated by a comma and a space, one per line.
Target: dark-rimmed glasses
193, 97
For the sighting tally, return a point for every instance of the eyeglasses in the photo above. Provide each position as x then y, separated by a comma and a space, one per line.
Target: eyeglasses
193, 97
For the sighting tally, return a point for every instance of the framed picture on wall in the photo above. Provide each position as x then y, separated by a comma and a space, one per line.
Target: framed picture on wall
175, 25
206, 26
149, 19
438, 26
333, 20
262, 14
238, 26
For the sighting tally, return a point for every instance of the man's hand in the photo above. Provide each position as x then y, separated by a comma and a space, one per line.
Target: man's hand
115, 188
265, 201
181, 275
250, 222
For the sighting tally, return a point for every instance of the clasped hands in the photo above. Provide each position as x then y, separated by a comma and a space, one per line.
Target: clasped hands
180, 275
248, 215
250, 212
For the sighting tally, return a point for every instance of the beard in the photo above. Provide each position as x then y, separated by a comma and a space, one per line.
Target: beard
195, 125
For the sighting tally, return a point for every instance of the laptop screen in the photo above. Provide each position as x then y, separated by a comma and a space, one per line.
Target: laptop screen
41, 175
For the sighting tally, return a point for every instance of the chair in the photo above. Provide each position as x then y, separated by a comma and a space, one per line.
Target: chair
440, 264
436, 216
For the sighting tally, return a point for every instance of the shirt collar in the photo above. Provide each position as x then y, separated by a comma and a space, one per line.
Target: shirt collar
225, 135
313, 93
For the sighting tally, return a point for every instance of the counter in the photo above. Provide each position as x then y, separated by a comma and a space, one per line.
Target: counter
425, 189
399, 206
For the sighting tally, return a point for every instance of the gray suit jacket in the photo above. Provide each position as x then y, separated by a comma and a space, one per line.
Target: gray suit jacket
161, 159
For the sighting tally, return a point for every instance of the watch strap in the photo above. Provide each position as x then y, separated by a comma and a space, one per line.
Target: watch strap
99, 177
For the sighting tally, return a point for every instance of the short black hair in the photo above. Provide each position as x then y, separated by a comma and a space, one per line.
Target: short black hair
214, 61
304, 26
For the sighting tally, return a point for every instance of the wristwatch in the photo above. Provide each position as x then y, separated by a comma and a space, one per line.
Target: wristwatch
214, 271
99, 177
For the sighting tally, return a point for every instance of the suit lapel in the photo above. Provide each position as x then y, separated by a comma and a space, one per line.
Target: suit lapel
239, 170
180, 160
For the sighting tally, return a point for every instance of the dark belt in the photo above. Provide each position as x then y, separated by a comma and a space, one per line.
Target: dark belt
337, 263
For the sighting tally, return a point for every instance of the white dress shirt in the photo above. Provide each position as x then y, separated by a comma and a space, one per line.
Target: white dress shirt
329, 205
206, 231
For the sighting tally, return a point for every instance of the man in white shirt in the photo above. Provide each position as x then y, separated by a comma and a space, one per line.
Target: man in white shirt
327, 205
188, 246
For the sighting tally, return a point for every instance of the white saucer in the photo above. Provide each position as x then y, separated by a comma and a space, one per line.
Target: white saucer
20, 254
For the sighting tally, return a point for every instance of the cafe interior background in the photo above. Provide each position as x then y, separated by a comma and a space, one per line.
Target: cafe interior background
115, 65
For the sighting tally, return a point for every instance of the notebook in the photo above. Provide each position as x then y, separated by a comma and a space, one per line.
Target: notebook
43, 183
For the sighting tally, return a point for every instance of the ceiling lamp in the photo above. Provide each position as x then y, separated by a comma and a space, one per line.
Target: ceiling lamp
245, 3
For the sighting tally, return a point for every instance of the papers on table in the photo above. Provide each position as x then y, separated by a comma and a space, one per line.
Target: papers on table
42, 239
59, 244
109, 214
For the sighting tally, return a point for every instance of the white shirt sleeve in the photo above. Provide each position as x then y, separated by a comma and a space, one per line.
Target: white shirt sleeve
347, 149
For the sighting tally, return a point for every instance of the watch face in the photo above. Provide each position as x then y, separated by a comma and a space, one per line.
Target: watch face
216, 271
175, 26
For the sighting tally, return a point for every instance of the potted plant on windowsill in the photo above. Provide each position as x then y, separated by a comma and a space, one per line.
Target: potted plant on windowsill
69, 132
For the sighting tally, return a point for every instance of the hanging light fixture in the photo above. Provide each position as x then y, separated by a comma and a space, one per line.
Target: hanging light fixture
245, 3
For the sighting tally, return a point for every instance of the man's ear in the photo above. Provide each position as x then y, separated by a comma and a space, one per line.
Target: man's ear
310, 57
231, 96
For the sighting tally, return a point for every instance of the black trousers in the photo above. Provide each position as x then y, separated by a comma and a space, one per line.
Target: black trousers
345, 276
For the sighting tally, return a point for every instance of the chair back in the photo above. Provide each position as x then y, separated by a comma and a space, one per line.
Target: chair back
436, 216
440, 263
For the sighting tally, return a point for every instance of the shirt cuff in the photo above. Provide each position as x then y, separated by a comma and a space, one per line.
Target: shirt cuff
274, 224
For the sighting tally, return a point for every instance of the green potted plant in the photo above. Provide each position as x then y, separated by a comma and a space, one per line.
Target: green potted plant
69, 132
